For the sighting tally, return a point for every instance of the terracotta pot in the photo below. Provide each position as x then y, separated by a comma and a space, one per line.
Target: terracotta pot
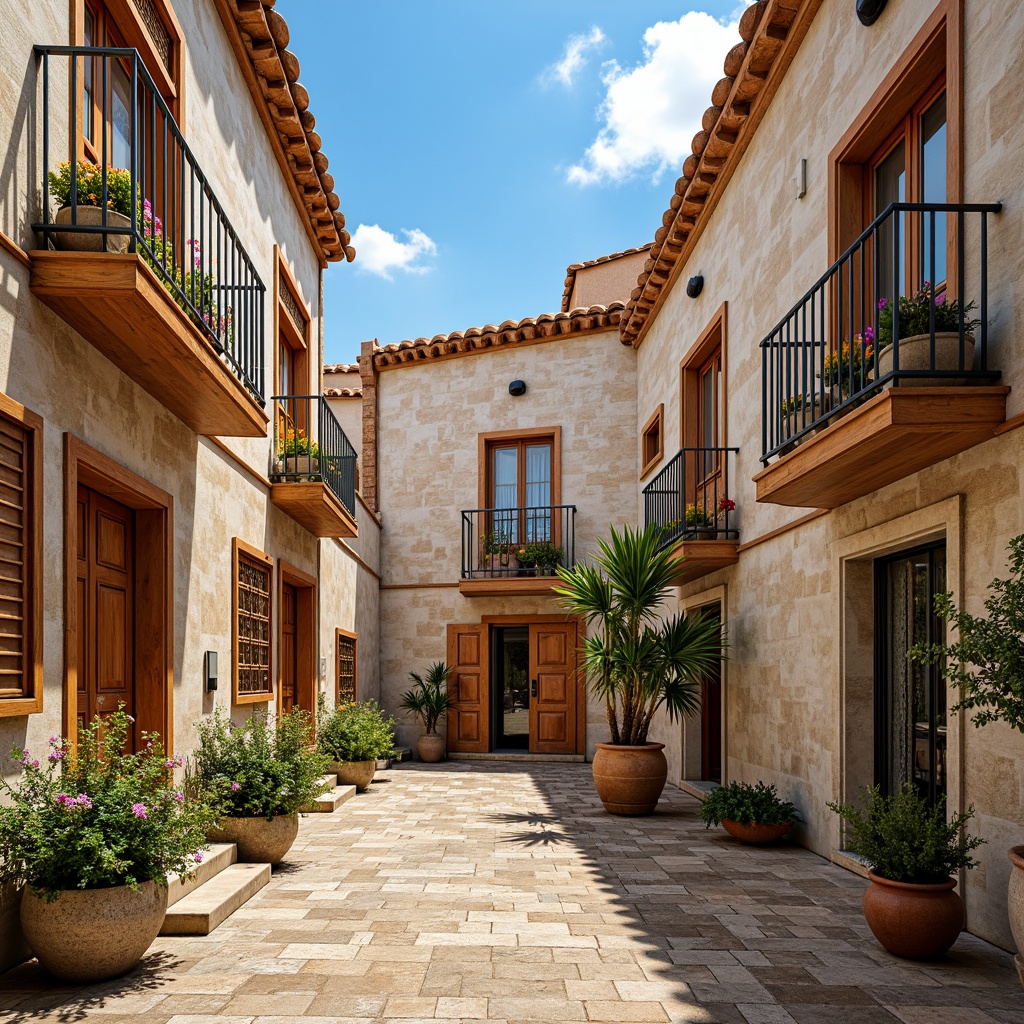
87, 241
757, 834
629, 780
93, 934
915, 354
430, 747
354, 773
259, 841
1015, 905
917, 922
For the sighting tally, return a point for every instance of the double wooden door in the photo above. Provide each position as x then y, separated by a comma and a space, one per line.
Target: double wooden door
106, 604
553, 688
289, 663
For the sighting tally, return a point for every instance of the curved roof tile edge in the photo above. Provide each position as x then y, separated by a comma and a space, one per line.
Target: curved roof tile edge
570, 271
341, 367
343, 392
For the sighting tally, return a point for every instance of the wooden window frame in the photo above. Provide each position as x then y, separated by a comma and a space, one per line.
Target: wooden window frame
30, 701
239, 550
495, 438
286, 330
305, 623
712, 338
339, 635
655, 422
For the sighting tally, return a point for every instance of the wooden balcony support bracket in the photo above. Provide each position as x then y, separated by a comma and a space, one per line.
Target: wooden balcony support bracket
315, 507
704, 557
510, 586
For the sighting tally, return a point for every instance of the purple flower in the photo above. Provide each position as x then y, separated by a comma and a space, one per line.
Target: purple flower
940, 299
180, 797
235, 787
197, 857
882, 303
869, 335
54, 741
139, 810
65, 800
82, 801
55, 755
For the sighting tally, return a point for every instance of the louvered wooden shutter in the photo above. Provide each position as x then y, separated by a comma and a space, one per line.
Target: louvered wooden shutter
15, 547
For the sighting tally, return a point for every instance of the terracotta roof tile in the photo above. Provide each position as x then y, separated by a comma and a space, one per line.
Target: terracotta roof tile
570, 271
344, 392
341, 367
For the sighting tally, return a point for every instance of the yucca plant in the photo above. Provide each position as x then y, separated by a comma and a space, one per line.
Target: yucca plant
429, 698
634, 658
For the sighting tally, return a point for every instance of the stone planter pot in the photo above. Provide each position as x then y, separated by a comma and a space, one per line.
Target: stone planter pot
917, 922
915, 354
87, 241
629, 780
259, 841
430, 747
354, 773
755, 833
1015, 905
88, 935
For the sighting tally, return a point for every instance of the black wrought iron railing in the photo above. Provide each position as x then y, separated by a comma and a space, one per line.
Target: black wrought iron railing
126, 180
309, 445
862, 328
690, 498
523, 541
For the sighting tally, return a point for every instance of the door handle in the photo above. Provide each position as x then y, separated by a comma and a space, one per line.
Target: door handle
533, 687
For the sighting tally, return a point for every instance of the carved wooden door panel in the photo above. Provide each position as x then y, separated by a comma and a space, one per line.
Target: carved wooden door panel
469, 687
289, 601
553, 688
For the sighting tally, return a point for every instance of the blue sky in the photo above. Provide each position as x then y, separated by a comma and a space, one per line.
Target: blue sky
479, 148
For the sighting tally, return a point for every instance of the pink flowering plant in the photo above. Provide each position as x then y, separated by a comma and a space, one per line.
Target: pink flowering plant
96, 817
260, 768
916, 315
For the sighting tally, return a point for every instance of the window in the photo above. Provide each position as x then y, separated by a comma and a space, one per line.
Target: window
291, 368
348, 691
520, 484
21, 612
251, 608
651, 441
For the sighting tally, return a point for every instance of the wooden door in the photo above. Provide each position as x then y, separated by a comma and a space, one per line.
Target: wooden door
106, 602
289, 660
553, 688
711, 718
468, 686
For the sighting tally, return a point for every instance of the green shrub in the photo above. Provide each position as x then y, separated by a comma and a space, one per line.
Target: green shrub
746, 805
905, 839
354, 732
257, 769
90, 186
96, 817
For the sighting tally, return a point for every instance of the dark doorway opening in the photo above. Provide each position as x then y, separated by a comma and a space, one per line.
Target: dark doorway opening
510, 682
711, 714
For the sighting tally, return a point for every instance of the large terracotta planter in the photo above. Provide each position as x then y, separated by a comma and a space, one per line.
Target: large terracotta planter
430, 747
354, 773
915, 354
918, 922
1015, 905
259, 841
629, 780
86, 241
93, 934
755, 833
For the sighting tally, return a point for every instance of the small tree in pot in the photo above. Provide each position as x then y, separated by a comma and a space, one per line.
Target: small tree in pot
637, 661
430, 701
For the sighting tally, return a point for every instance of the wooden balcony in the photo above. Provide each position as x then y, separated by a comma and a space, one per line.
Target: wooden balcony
704, 557
315, 507
116, 302
895, 433
508, 586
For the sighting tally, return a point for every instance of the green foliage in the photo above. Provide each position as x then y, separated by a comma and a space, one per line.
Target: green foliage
540, 553
429, 698
636, 661
90, 186
257, 769
747, 805
987, 660
905, 839
857, 360
98, 817
915, 315
354, 732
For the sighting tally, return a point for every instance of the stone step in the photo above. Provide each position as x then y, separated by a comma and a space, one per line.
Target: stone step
205, 908
215, 859
330, 801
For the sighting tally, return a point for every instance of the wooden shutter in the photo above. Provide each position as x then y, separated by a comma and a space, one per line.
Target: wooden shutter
252, 587
468, 685
347, 686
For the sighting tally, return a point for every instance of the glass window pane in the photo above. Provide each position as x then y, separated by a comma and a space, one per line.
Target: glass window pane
538, 491
933, 188
88, 40
506, 483
891, 187
120, 123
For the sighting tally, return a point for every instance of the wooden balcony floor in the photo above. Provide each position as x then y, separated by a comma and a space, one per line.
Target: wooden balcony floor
704, 557
315, 507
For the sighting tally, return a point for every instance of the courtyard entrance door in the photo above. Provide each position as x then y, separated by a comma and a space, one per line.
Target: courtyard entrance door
711, 715
289, 672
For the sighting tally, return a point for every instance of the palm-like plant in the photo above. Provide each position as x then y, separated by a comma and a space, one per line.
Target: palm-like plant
429, 697
636, 660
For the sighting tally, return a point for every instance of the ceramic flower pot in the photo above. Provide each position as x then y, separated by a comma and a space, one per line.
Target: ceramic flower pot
88, 935
755, 833
1015, 905
354, 773
92, 216
629, 780
917, 922
915, 354
430, 747
259, 841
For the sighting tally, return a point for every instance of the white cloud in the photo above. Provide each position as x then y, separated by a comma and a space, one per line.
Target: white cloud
651, 112
577, 50
380, 252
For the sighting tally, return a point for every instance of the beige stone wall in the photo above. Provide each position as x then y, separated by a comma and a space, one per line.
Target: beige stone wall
349, 412
607, 282
797, 691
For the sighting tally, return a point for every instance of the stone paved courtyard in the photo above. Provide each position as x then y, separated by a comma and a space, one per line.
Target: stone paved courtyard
469, 892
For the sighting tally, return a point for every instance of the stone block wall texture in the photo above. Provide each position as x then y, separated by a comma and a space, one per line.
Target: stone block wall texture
795, 695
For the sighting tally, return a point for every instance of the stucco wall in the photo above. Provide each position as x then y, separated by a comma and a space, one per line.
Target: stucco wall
611, 281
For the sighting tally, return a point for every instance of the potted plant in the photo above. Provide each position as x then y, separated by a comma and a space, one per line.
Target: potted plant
802, 411
701, 522
297, 455
354, 737
429, 699
915, 340
635, 660
542, 556
257, 775
913, 852
88, 207
93, 833
985, 664
495, 553
752, 814
850, 369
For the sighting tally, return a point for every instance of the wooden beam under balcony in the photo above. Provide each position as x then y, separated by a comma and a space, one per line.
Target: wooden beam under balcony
508, 586
894, 434
704, 557
116, 302
315, 507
